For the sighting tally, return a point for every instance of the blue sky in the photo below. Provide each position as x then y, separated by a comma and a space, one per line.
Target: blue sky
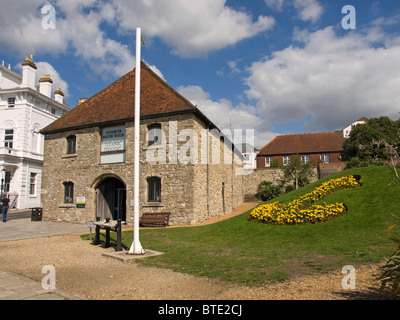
275, 66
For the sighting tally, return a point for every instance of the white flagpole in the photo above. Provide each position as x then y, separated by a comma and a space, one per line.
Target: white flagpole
136, 247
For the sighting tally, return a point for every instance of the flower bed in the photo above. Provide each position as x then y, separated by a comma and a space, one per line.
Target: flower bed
304, 209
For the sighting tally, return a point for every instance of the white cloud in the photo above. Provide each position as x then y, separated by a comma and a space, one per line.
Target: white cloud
308, 10
78, 28
227, 116
58, 82
331, 80
191, 28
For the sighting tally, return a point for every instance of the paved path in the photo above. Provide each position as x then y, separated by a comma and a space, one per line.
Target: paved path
15, 287
19, 226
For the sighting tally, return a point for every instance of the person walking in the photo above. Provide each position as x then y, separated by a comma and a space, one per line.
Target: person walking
5, 203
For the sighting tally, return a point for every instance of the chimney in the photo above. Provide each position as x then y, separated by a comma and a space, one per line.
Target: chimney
28, 72
59, 96
45, 83
80, 101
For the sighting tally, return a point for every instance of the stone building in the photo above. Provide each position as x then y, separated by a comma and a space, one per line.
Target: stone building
26, 107
187, 166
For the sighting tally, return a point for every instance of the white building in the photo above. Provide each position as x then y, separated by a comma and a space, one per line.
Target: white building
249, 156
25, 108
347, 130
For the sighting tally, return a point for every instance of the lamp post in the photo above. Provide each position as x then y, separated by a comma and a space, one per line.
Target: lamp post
3, 171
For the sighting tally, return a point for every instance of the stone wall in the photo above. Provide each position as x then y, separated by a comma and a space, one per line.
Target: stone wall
191, 189
273, 175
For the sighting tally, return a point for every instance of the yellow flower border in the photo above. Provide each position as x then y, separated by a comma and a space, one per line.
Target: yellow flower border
304, 209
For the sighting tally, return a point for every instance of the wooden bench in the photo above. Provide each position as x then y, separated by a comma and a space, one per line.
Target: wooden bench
154, 218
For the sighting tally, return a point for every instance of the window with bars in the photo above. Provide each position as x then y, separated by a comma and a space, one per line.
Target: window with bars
68, 192
71, 144
154, 189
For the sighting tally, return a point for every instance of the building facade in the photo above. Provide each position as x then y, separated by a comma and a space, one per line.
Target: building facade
322, 148
25, 109
187, 167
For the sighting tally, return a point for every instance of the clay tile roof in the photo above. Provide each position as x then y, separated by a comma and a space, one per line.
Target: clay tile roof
305, 143
116, 102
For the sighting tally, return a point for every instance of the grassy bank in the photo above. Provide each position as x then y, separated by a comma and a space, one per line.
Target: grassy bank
254, 253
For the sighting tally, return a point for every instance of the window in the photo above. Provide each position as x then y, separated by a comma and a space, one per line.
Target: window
154, 135
286, 160
32, 184
71, 145
8, 138
154, 189
305, 159
268, 161
68, 192
53, 111
7, 182
324, 158
11, 102
246, 157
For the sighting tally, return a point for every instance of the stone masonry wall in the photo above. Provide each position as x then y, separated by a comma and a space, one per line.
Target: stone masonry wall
273, 175
183, 183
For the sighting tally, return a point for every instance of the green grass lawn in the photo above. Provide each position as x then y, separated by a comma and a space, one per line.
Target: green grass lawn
254, 253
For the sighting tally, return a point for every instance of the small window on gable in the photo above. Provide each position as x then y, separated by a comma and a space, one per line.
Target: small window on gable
154, 134
71, 144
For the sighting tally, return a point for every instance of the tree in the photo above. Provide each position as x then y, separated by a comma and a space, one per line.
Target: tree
297, 171
374, 130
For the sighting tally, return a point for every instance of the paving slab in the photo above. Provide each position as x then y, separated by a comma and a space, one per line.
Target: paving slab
24, 228
16, 287
125, 256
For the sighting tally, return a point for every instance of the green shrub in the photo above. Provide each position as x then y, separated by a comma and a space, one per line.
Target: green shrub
266, 190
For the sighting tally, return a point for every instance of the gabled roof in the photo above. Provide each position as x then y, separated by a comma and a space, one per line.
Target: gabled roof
117, 103
305, 143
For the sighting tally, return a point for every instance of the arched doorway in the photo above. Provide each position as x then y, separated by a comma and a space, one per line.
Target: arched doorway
111, 199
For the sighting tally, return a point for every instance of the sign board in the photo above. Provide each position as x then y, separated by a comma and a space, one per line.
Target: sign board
80, 202
113, 144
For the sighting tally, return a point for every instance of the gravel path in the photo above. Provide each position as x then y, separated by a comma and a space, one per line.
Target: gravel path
82, 270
